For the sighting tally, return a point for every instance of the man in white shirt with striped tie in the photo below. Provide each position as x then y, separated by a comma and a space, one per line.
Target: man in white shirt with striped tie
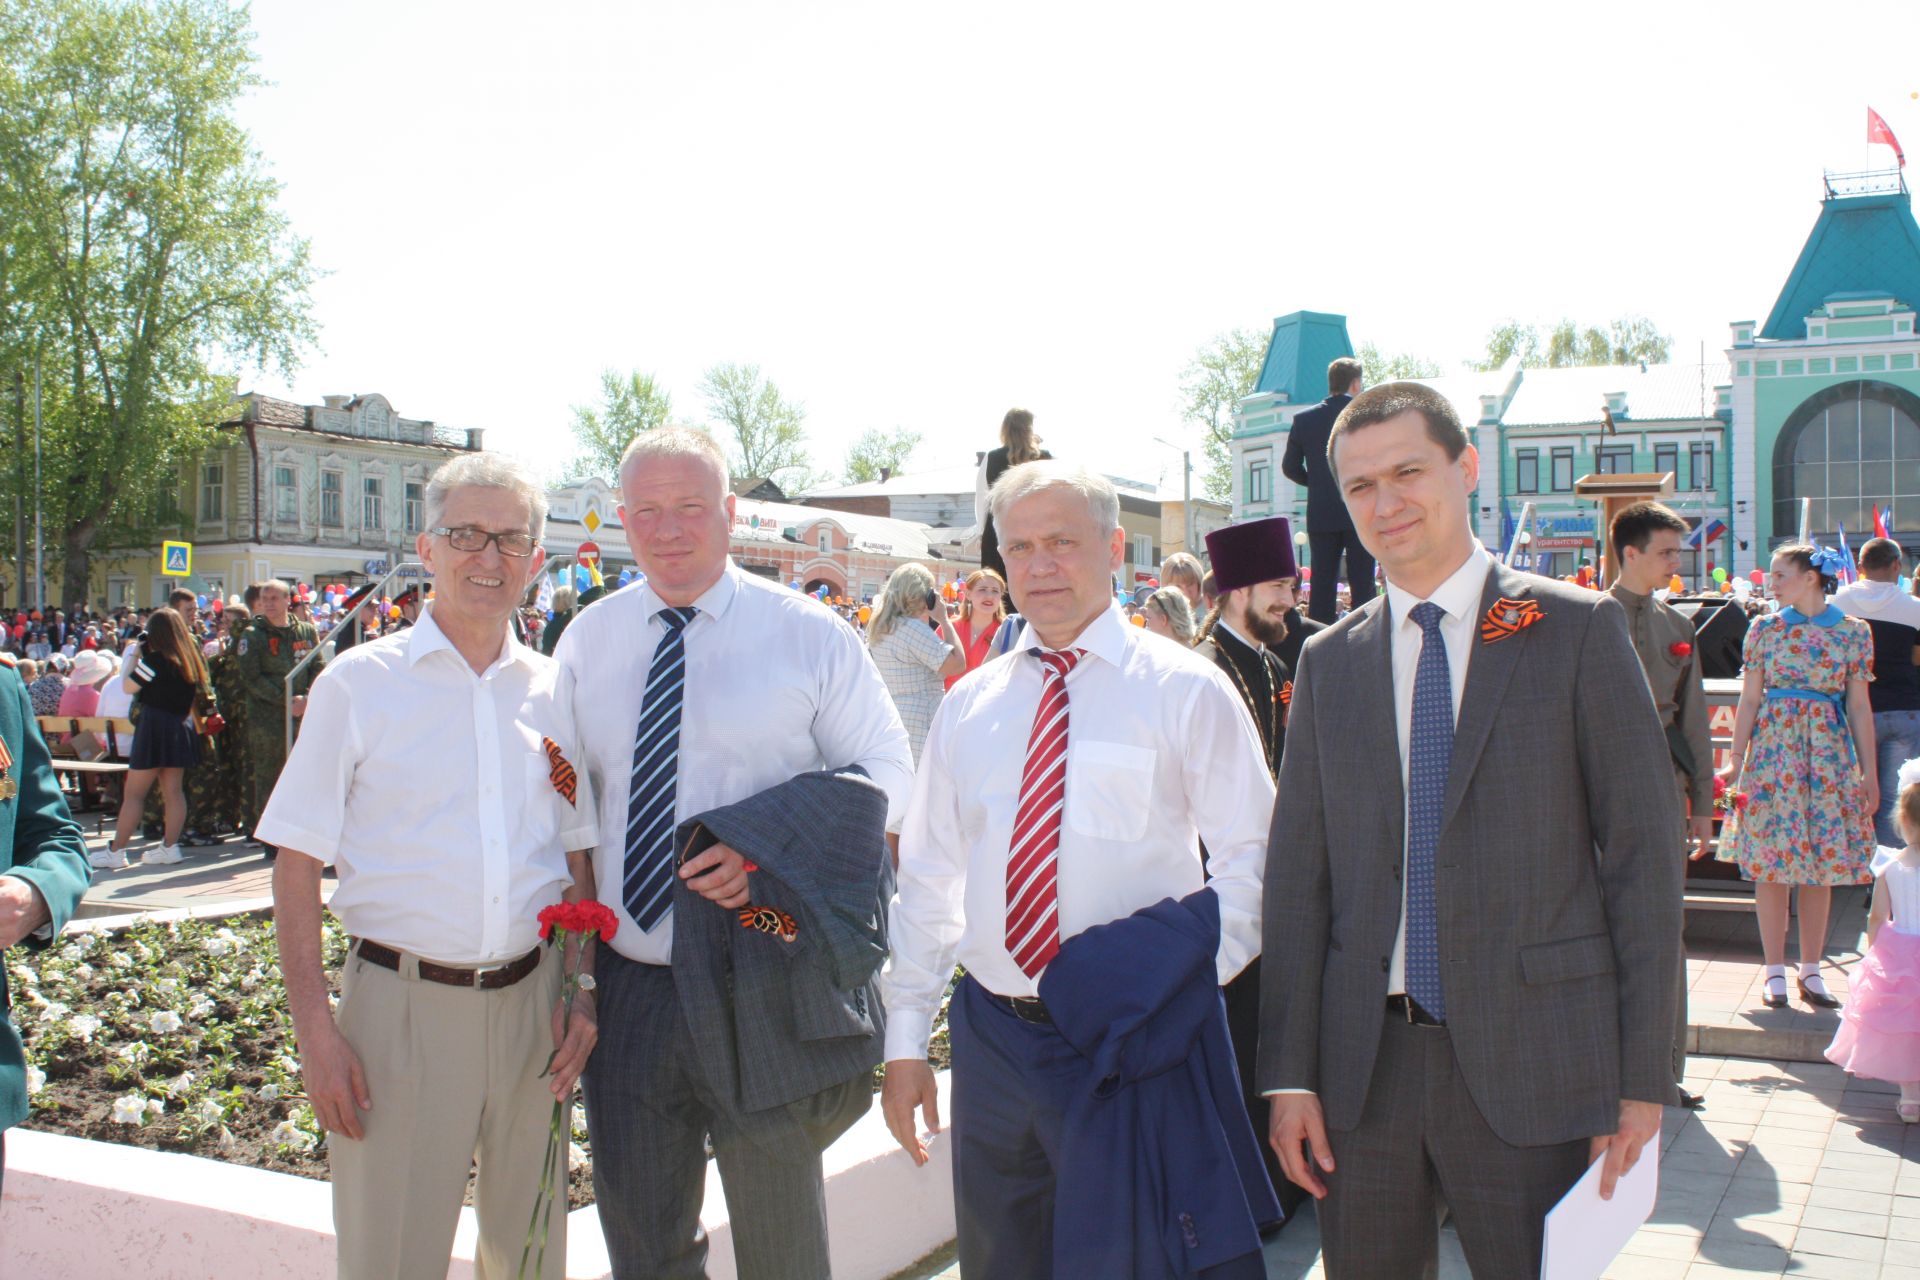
701, 687
1062, 787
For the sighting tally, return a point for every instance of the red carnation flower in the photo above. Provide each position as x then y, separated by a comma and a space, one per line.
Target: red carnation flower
1719, 786
1680, 649
582, 917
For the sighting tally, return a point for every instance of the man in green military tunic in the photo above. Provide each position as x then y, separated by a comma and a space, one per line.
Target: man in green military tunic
273, 644
1646, 545
43, 870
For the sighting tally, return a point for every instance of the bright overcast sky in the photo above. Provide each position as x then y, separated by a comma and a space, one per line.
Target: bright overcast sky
919, 215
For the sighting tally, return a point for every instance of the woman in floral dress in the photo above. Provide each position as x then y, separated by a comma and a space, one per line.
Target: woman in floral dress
1801, 733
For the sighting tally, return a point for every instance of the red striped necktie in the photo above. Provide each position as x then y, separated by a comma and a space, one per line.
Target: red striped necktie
1033, 924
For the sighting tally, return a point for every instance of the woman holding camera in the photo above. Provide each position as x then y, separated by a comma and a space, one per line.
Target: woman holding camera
914, 661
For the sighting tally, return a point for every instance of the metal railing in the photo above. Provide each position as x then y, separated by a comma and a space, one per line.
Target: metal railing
405, 569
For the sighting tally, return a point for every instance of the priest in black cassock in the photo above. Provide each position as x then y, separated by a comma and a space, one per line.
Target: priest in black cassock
1252, 566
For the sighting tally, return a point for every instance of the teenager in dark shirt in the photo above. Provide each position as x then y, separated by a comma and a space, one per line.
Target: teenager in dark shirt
1894, 618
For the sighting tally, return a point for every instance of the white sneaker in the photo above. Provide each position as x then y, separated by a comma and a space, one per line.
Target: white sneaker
165, 856
108, 859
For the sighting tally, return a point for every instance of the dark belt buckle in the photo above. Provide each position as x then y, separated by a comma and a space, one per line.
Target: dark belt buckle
1030, 1009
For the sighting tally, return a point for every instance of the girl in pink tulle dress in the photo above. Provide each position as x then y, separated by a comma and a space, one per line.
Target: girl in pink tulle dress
1879, 1033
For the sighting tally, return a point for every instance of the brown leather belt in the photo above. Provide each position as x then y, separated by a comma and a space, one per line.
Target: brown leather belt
487, 978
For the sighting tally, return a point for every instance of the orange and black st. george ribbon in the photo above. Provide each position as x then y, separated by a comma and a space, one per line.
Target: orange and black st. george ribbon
1508, 616
560, 771
770, 920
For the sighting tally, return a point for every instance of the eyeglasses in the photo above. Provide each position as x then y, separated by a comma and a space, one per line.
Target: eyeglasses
468, 538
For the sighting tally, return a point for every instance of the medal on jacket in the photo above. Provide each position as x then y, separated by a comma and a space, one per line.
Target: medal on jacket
8, 787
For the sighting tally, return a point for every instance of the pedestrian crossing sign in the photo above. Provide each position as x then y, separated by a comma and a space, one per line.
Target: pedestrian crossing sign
176, 559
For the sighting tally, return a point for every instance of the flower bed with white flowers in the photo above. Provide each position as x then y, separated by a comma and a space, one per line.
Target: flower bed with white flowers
176, 1037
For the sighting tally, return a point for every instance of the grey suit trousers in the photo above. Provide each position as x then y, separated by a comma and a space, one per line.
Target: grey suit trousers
1421, 1140
650, 1115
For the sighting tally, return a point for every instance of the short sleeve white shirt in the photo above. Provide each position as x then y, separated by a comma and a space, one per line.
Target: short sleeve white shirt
430, 789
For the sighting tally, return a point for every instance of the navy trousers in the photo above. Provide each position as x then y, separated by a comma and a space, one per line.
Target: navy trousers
1011, 1080
651, 1114
1323, 593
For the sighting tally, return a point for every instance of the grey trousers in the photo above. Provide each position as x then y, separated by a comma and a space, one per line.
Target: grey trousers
650, 1115
1422, 1140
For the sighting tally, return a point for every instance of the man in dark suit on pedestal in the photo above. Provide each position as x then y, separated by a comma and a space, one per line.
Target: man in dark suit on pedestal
1470, 963
1329, 528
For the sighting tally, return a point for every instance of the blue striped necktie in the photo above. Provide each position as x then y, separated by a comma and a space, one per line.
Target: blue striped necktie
648, 887
1429, 756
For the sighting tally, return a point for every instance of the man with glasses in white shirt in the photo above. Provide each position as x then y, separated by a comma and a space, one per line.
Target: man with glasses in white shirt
430, 773
1158, 755
701, 687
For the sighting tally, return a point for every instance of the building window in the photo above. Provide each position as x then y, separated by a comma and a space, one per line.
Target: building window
1526, 471
1563, 470
1666, 457
826, 541
1848, 449
1259, 482
286, 494
166, 502
213, 492
373, 498
332, 489
1613, 459
1700, 463
416, 506
1142, 551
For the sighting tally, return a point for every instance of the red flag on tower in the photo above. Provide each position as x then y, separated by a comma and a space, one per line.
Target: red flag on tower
1877, 131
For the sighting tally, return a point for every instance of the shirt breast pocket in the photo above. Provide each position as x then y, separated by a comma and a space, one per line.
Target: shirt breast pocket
1109, 789
542, 814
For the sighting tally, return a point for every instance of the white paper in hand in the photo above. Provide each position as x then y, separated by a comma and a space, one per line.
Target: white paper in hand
1585, 1233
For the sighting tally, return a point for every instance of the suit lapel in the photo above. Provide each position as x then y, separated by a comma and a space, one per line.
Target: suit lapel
1488, 672
1372, 654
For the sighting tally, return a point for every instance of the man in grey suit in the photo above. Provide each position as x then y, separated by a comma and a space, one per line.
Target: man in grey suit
1469, 983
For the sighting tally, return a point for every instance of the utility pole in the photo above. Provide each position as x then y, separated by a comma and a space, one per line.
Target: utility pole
39, 562
20, 486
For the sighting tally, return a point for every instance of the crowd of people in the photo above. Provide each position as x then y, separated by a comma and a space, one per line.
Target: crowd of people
1375, 901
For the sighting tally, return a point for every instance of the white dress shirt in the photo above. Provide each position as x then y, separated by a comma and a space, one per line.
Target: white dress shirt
429, 789
116, 696
1160, 754
1459, 597
776, 686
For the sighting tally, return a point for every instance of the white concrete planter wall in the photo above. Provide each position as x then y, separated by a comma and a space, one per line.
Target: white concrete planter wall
80, 1210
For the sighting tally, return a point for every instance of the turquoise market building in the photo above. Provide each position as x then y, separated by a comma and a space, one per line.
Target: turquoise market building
1821, 401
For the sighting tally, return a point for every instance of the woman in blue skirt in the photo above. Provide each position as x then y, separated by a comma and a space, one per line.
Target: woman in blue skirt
168, 676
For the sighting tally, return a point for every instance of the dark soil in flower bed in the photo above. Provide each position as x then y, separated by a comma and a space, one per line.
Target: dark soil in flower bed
176, 1037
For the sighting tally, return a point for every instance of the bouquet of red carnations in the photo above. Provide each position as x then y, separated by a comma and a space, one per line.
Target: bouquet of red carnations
585, 920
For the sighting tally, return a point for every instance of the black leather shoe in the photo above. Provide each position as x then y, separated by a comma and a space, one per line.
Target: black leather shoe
1691, 1101
1818, 999
1769, 999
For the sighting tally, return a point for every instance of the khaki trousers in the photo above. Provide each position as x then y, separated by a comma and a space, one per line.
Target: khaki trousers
454, 1074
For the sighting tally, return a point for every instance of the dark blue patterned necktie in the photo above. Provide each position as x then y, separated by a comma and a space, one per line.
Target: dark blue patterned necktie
1429, 754
647, 890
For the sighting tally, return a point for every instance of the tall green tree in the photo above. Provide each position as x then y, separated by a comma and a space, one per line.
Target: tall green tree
768, 431
148, 258
1397, 366
1626, 340
877, 452
1215, 380
630, 403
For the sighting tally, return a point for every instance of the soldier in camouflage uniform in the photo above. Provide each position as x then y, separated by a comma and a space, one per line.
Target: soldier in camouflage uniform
269, 648
230, 796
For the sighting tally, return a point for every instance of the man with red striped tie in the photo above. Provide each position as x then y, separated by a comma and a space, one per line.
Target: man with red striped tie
1063, 787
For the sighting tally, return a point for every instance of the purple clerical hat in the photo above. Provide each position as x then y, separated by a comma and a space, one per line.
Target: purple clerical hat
1254, 552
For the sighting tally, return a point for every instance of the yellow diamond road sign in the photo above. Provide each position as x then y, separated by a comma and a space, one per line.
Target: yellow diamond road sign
592, 521
176, 559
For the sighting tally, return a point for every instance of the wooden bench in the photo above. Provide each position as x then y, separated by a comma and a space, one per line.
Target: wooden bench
112, 730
